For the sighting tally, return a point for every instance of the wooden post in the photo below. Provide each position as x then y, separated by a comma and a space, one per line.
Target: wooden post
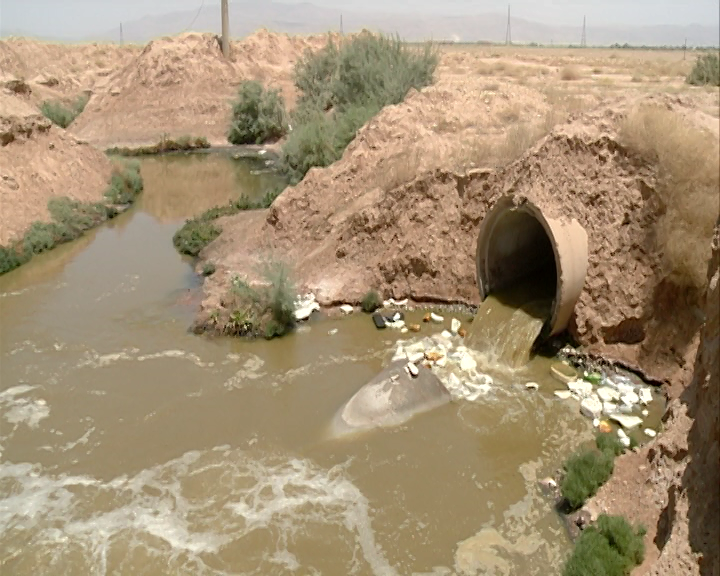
225, 29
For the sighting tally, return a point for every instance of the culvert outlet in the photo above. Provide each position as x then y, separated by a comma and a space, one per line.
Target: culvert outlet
519, 244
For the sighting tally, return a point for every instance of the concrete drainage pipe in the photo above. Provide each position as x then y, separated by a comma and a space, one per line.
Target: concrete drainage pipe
518, 242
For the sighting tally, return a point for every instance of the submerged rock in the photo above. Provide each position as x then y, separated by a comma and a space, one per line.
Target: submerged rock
391, 398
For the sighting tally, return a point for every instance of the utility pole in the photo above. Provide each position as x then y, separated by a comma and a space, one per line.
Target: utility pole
508, 32
684, 48
121, 34
225, 29
341, 25
583, 40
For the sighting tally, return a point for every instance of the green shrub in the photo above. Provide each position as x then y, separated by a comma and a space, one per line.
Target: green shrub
267, 310
62, 115
706, 71
125, 183
70, 219
371, 302
182, 144
194, 236
609, 548
341, 88
208, 269
258, 115
609, 443
584, 474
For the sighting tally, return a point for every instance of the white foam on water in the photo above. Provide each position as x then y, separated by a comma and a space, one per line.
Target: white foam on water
202, 513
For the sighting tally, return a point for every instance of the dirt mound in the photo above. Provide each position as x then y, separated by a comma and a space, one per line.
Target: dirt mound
671, 485
39, 161
183, 85
350, 227
68, 68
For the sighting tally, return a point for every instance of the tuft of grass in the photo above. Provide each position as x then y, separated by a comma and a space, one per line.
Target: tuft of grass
182, 144
609, 443
71, 219
199, 231
611, 547
688, 187
125, 183
371, 302
585, 472
570, 73
342, 87
266, 310
258, 115
706, 71
62, 115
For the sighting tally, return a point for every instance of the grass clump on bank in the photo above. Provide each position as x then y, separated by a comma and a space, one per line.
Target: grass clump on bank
62, 115
343, 86
586, 471
71, 219
199, 231
688, 187
182, 144
371, 302
611, 547
258, 115
266, 310
706, 71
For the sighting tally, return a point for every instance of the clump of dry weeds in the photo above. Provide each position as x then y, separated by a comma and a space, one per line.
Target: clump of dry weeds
688, 161
569, 73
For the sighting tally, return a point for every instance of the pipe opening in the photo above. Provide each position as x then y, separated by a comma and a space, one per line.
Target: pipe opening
528, 259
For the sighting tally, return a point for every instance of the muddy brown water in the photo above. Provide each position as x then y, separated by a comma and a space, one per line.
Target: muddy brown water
130, 446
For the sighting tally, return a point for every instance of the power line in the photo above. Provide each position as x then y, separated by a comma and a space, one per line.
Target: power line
195, 18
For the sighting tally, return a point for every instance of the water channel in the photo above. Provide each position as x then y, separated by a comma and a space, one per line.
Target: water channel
130, 446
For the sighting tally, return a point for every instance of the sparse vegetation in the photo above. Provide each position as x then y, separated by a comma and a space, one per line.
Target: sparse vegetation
258, 115
264, 310
688, 186
706, 71
587, 470
570, 73
71, 219
61, 114
208, 269
342, 87
199, 231
611, 547
371, 302
182, 144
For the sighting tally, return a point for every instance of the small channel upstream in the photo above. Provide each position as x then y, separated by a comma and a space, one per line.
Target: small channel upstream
130, 446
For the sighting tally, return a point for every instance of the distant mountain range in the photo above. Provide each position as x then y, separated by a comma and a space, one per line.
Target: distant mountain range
306, 18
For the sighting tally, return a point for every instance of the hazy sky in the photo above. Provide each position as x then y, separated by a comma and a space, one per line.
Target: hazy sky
70, 18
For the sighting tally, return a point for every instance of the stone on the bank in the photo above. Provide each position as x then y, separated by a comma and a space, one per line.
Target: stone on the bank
624, 439
645, 412
304, 312
607, 394
605, 427
467, 363
436, 318
580, 387
347, 309
415, 357
630, 398
532, 385
447, 335
626, 421
609, 408
434, 355
650, 432
455, 325
591, 407
412, 369
645, 395
563, 394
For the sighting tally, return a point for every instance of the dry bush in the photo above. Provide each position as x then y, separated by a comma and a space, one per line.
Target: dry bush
569, 73
636, 78
688, 187
511, 113
597, 70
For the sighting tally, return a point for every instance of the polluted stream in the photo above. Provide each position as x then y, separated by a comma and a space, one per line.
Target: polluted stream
130, 446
